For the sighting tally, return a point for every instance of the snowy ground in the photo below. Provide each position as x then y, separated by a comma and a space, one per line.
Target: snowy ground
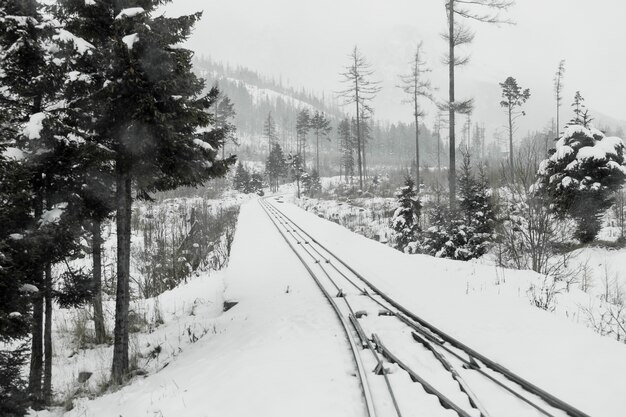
281, 352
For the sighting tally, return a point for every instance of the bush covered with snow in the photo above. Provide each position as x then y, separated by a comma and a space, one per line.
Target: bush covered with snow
581, 176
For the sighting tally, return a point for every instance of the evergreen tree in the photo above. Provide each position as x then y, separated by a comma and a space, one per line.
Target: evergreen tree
346, 148
360, 91
275, 166
416, 87
312, 185
405, 220
582, 174
514, 98
296, 167
269, 131
256, 183
558, 92
241, 180
320, 126
466, 232
303, 125
152, 118
224, 112
457, 35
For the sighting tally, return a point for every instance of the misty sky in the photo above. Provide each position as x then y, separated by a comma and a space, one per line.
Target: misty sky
307, 43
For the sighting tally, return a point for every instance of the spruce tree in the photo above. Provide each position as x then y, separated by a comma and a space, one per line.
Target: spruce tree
405, 220
241, 180
346, 148
320, 126
303, 125
582, 174
152, 118
275, 166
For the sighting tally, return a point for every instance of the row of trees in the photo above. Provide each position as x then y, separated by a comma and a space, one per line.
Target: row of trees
99, 107
527, 214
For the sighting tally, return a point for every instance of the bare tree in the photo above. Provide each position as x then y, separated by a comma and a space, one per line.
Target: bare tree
558, 92
416, 87
514, 98
487, 11
360, 91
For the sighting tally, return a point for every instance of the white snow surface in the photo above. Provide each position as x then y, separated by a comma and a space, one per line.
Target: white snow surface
204, 145
81, 45
130, 12
53, 215
13, 153
566, 359
130, 40
34, 126
280, 352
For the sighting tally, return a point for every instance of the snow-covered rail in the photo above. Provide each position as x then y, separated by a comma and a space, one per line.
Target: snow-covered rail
458, 379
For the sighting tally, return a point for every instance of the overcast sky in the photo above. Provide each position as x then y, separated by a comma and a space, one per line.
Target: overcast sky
307, 43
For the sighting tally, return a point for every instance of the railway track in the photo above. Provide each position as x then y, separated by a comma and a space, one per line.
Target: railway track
406, 366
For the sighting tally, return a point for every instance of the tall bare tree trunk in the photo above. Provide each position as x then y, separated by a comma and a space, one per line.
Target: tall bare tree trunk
317, 152
120, 368
96, 248
358, 138
511, 142
36, 352
452, 167
417, 147
47, 338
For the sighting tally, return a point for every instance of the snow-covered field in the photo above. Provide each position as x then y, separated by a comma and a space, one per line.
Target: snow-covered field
280, 350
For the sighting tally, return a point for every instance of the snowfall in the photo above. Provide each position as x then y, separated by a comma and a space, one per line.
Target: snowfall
280, 351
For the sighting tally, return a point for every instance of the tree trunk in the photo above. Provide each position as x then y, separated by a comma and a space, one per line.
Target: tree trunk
417, 149
358, 127
98, 316
511, 142
452, 167
36, 354
47, 375
120, 369
317, 152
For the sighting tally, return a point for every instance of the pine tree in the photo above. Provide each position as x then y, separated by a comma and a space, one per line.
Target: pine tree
152, 118
558, 92
582, 174
224, 112
303, 125
468, 231
269, 131
256, 183
416, 87
405, 220
486, 11
275, 166
296, 167
360, 91
320, 126
29, 82
311, 184
346, 148
514, 98
241, 180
